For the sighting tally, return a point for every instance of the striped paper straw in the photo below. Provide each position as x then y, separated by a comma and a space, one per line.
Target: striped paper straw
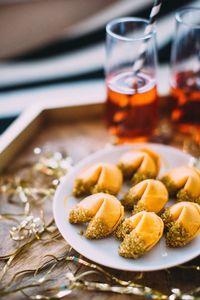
149, 28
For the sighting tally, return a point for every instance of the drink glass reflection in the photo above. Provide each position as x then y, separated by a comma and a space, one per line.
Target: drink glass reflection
185, 72
132, 103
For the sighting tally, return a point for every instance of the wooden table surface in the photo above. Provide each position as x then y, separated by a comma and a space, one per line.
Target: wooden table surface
79, 139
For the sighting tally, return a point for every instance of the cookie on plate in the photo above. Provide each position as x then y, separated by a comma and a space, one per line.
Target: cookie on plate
148, 195
103, 212
183, 183
99, 177
139, 234
139, 164
182, 223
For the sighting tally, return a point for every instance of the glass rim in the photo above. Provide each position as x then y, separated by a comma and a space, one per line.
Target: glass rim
179, 18
128, 19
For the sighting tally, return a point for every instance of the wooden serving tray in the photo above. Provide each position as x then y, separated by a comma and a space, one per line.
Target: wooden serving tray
81, 130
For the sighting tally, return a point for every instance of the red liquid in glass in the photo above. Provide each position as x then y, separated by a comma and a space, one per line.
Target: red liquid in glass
185, 93
132, 114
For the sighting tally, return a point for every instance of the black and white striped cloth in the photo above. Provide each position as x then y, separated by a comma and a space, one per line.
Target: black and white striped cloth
78, 57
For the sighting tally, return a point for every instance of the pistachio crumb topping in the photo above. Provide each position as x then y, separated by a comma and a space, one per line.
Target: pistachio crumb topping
177, 236
130, 173
122, 229
101, 189
138, 208
85, 188
97, 229
127, 170
172, 189
138, 177
129, 200
79, 215
167, 218
82, 188
133, 246
184, 195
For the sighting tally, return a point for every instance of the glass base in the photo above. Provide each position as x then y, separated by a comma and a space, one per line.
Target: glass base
124, 140
186, 138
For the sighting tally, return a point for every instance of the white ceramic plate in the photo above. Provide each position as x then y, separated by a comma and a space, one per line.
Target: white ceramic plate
105, 251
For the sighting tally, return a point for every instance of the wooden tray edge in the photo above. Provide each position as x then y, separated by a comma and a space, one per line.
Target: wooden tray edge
30, 122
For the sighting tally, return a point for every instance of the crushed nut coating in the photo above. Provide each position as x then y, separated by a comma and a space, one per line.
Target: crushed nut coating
97, 229
128, 201
132, 246
167, 219
101, 189
183, 195
122, 229
82, 188
127, 171
172, 189
138, 177
138, 208
177, 236
79, 215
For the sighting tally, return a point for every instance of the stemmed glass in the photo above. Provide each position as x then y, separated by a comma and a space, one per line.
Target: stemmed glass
185, 72
132, 109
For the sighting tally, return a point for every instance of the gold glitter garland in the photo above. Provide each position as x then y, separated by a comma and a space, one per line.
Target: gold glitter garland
28, 227
48, 164
11, 256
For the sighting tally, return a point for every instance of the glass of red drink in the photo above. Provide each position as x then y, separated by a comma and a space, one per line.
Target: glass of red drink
185, 72
132, 102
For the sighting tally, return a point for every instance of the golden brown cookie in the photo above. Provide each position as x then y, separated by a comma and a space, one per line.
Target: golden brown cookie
99, 177
149, 195
103, 212
139, 164
183, 183
182, 223
139, 234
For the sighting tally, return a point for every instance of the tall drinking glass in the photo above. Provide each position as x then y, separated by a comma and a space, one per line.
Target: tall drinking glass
132, 103
185, 72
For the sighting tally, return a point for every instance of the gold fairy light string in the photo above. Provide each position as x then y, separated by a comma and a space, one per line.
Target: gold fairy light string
101, 270
129, 286
78, 282
197, 268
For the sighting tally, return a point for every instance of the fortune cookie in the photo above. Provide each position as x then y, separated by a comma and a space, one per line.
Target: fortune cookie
182, 223
99, 177
139, 164
103, 211
149, 195
183, 183
139, 234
